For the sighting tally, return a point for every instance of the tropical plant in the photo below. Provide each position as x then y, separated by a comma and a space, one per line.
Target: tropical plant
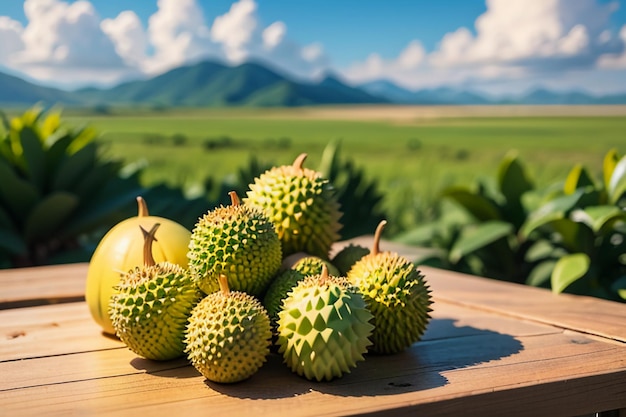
55, 187
569, 236
477, 233
359, 196
581, 233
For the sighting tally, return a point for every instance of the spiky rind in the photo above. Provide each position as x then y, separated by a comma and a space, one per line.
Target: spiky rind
237, 241
348, 256
323, 328
312, 265
302, 205
277, 292
228, 336
150, 307
397, 295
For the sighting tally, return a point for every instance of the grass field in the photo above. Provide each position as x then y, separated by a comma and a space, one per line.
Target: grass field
414, 152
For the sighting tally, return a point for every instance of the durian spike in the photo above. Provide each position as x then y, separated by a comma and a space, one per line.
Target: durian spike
234, 198
222, 280
299, 161
142, 207
377, 236
148, 238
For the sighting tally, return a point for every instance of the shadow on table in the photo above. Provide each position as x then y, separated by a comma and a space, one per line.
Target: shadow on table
444, 347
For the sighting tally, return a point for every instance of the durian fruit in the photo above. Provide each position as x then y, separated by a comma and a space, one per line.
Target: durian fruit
323, 327
228, 336
396, 293
303, 206
348, 256
277, 292
308, 264
150, 306
238, 241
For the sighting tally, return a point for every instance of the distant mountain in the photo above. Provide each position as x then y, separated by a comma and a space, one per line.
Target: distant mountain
434, 96
212, 84
15, 91
449, 96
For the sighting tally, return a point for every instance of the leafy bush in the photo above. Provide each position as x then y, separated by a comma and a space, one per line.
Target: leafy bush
55, 188
569, 236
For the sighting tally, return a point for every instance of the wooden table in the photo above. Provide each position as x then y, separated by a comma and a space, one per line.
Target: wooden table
491, 349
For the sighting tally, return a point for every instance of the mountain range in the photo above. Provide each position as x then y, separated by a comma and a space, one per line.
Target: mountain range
212, 84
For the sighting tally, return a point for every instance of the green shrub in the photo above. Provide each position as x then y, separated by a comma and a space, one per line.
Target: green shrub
569, 236
56, 188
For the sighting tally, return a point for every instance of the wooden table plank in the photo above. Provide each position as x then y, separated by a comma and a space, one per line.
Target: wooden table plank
50, 330
429, 375
22, 287
465, 353
584, 314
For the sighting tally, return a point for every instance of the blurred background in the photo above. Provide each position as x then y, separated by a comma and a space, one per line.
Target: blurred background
491, 132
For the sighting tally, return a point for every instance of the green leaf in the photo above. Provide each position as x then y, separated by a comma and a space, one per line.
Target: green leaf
48, 216
74, 168
474, 238
540, 274
569, 269
599, 218
617, 184
575, 236
513, 178
17, 194
33, 155
578, 177
610, 160
540, 250
479, 206
555, 209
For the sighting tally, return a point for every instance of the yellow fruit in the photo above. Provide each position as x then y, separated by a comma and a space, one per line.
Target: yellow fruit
121, 250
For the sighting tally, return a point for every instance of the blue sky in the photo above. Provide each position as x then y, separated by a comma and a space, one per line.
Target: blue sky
497, 46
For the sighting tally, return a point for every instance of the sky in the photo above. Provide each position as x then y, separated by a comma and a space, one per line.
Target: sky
492, 46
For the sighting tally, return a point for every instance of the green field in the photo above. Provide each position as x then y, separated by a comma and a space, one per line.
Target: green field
412, 157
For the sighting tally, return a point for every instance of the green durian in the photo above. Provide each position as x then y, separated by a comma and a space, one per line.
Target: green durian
238, 241
308, 264
228, 336
277, 292
397, 295
151, 304
323, 327
348, 256
303, 206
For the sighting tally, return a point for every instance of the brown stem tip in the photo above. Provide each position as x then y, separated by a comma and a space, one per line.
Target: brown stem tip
377, 237
142, 207
222, 280
299, 161
148, 238
234, 198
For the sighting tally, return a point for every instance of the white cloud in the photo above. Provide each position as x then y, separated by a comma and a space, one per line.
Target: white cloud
406, 65
242, 37
513, 39
128, 36
11, 35
178, 34
617, 60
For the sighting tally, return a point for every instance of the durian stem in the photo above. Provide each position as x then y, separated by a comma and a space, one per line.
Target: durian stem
234, 198
142, 207
377, 237
148, 238
299, 161
222, 280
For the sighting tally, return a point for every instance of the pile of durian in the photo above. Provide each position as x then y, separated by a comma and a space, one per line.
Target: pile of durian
260, 280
